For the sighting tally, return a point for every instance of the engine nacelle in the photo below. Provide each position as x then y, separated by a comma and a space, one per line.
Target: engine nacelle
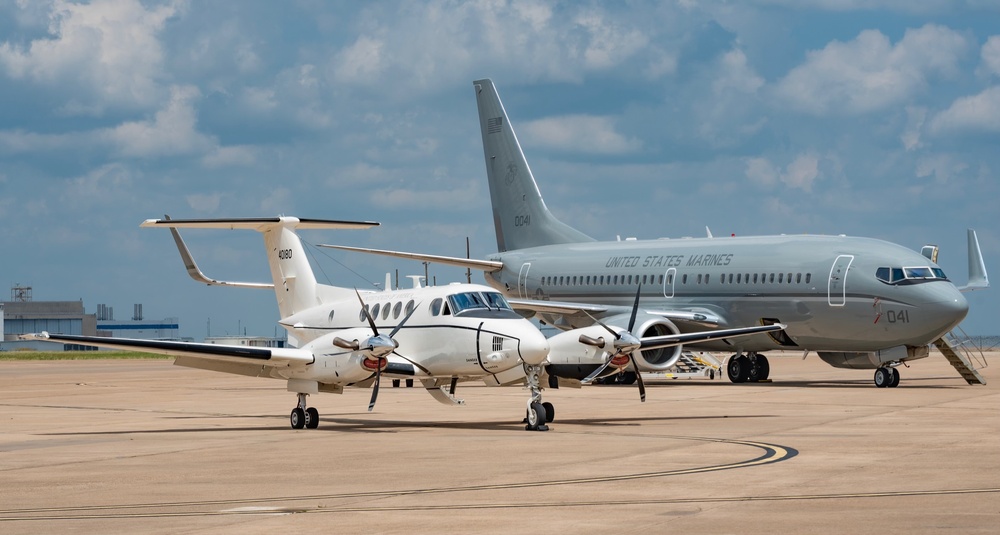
339, 365
656, 359
873, 359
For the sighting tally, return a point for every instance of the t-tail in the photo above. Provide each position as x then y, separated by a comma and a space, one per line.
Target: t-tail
294, 283
519, 213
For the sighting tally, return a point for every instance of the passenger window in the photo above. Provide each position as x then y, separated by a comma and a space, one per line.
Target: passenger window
396, 310
375, 310
661, 279
730, 278
410, 306
755, 278
436, 306
699, 278
361, 315
684, 279
789, 278
772, 278
781, 277
798, 278
385, 311
808, 277
738, 278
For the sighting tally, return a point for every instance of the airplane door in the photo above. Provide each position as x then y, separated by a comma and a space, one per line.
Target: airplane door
522, 280
668, 282
836, 289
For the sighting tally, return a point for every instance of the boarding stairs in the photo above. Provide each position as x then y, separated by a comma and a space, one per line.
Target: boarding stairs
690, 364
958, 348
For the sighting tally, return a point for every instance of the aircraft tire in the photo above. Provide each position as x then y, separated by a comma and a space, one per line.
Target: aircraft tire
550, 412
762, 367
738, 369
312, 418
298, 418
883, 377
894, 382
536, 418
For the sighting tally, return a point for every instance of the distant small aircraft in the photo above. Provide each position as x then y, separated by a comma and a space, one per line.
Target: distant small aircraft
439, 335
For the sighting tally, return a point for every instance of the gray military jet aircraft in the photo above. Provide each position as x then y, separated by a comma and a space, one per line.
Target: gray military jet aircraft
858, 302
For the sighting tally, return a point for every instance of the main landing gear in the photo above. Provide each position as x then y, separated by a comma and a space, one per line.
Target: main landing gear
887, 377
752, 368
539, 413
304, 417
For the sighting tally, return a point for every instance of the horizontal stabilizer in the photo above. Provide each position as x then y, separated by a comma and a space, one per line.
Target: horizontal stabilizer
259, 224
488, 266
263, 356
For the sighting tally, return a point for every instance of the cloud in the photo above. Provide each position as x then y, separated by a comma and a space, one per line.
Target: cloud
943, 167
869, 73
204, 202
800, 173
974, 113
990, 54
915, 117
171, 132
580, 134
106, 50
457, 198
230, 156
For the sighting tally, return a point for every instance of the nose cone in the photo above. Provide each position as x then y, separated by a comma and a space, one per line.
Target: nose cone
946, 305
534, 347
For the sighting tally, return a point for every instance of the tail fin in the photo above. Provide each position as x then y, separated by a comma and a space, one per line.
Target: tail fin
519, 213
295, 284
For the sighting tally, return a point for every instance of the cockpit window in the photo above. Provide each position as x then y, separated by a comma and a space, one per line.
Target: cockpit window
909, 275
478, 301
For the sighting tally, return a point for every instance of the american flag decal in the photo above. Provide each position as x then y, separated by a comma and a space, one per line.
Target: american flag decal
494, 125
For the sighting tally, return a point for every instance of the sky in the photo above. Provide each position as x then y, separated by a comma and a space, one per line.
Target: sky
639, 119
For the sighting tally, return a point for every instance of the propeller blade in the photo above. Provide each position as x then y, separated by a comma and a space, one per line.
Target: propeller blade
411, 361
400, 325
378, 376
596, 372
638, 379
635, 309
601, 323
364, 308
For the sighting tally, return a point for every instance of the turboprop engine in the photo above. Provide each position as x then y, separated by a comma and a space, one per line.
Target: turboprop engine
646, 325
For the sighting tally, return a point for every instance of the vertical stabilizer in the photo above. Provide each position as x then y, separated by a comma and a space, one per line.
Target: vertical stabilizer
519, 213
978, 279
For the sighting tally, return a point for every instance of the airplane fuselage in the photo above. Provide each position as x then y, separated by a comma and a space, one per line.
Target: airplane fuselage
824, 288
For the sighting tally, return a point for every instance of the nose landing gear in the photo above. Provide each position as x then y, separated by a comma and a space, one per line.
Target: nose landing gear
887, 377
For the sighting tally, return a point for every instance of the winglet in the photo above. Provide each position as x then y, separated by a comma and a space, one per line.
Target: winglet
978, 279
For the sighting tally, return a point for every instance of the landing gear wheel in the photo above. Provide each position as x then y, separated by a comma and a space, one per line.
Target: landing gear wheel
550, 412
312, 418
762, 367
894, 382
298, 418
883, 376
738, 369
536, 418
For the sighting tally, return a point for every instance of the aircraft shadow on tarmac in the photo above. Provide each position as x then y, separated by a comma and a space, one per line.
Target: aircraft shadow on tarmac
832, 383
353, 425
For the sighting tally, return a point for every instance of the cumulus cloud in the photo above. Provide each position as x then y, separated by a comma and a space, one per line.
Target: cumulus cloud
942, 167
870, 73
990, 54
915, 117
973, 113
579, 133
107, 50
172, 131
800, 173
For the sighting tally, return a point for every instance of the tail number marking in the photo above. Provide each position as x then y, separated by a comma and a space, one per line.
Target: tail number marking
522, 220
285, 254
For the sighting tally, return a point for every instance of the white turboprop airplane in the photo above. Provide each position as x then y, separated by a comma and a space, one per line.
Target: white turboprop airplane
857, 302
439, 335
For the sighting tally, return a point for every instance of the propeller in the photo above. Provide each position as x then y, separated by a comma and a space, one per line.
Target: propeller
377, 346
625, 343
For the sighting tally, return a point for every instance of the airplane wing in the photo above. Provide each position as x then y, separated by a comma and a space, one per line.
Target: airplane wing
699, 318
671, 340
482, 265
273, 357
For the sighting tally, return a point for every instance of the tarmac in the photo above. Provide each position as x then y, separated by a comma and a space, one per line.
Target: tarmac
147, 447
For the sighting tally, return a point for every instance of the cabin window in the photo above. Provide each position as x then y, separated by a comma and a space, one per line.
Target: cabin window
435, 307
375, 310
410, 306
361, 315
661, 279
684, 279
396, 310
730, 278
329, 318
781, 278
699, 278
746, 278
798, 278
738, 275
385, 311
670, 278
809, 277
755, 278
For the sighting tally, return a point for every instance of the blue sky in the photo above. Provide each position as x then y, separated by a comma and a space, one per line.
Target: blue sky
644, 119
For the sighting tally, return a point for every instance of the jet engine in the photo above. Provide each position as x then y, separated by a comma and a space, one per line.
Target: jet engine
660, 359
